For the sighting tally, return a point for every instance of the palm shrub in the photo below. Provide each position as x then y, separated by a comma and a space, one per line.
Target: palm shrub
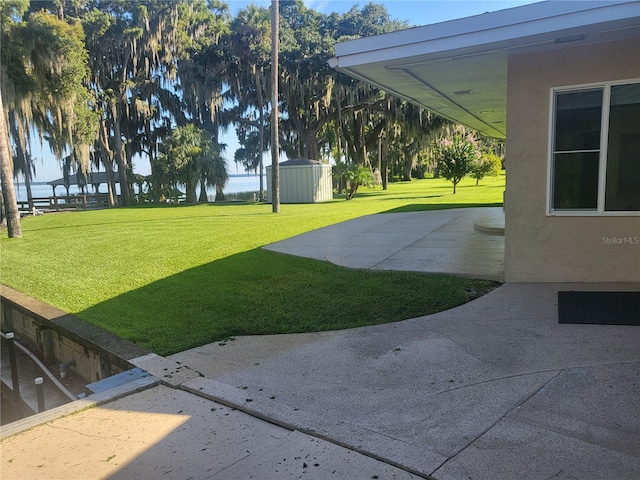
351, 176
456, 157
213, 171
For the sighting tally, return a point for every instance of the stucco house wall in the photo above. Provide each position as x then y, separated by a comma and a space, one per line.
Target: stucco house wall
541, 247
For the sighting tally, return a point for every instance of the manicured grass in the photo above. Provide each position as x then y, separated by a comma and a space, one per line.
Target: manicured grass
171, 278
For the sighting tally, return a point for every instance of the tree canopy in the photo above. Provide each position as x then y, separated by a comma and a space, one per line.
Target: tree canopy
102, 82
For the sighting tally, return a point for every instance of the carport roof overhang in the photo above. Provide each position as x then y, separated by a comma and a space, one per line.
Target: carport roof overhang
458, 69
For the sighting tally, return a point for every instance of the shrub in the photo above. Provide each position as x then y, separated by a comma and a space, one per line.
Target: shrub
455, 158
351, 177
489, 164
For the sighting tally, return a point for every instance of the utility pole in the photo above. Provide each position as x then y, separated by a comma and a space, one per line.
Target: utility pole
275, 146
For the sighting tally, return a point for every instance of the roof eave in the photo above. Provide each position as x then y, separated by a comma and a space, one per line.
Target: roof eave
403, 63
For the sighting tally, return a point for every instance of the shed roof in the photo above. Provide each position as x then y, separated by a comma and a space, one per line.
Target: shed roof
296, 162
458, 69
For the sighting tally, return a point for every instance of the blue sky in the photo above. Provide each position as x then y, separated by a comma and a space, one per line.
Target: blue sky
416, 12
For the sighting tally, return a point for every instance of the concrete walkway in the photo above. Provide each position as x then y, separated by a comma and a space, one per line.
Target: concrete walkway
493, 389
440, 241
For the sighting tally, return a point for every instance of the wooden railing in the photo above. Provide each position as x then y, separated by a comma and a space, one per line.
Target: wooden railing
41, 203
66, 202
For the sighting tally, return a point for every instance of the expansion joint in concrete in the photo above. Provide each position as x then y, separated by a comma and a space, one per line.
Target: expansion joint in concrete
294, 425
506, 414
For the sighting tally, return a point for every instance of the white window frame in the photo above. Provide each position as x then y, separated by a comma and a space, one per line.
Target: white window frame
604, 144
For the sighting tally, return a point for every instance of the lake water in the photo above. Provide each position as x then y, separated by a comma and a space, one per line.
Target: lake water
236, 184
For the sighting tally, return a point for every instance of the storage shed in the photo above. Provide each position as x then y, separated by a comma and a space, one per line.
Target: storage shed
303, 181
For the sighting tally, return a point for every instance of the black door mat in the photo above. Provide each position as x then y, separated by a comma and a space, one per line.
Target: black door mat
602, 308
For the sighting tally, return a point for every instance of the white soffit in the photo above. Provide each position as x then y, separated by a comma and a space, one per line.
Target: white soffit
458, 69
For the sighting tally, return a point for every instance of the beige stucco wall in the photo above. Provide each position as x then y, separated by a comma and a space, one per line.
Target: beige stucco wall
542, 248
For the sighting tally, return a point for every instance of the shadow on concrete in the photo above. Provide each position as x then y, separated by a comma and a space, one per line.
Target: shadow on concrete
163, 432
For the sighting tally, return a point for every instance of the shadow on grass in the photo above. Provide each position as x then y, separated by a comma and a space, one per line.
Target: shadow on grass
185, 204
261, 292
409, 197
420, 207
223, 209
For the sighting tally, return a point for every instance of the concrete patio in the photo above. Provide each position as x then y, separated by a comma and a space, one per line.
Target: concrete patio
492, 389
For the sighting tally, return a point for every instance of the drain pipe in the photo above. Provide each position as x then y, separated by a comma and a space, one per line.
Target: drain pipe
64, 367
50, 375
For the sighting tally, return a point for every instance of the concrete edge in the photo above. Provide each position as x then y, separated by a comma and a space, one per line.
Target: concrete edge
91, 401
119, 350
366, 442
169, 372
483, 225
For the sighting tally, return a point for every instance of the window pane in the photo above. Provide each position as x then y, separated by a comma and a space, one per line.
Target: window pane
575, 181
622, 192
578, 117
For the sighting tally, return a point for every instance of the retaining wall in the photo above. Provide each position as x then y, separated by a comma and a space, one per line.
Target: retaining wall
56, 336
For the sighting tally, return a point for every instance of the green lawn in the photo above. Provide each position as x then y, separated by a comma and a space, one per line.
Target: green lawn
174, 277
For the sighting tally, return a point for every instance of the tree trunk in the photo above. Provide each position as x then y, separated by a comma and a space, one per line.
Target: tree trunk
357, 142
107, 160
3, 218
219, 194
61, 6
190, 188
407, 167
309, 140
275, 143
110, 184
11, 212
379, 165
120, 159
128, 161
338, 144
203, 190
22, 155
258, 81
155, 176
385, 165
